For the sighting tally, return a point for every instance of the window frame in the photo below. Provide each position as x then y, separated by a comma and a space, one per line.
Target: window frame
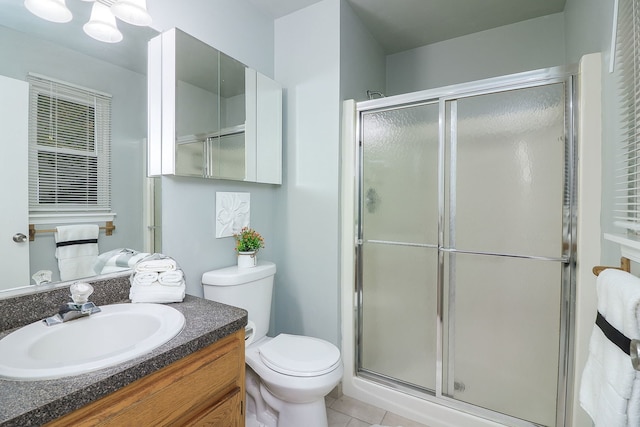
627, 163
94, 202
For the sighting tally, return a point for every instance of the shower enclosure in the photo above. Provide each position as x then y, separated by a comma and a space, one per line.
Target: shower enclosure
464, 245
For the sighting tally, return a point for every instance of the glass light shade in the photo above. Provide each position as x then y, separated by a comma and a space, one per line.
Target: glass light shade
51, 10
102, 25
132, 11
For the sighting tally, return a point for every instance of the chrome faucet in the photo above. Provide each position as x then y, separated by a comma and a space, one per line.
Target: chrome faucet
80, 307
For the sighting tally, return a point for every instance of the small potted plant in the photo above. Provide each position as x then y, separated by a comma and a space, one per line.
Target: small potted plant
248, 243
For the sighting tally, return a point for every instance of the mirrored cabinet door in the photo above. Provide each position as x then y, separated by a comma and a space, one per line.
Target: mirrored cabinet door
210, 116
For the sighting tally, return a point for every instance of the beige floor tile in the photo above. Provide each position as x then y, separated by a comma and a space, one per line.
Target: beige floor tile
391, 419
328, 401
337, 419
357, 423
360, 410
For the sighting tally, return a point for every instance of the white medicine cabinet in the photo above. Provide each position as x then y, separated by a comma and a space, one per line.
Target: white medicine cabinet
210, 116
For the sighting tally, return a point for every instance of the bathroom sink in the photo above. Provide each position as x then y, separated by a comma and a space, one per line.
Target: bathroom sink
118, 333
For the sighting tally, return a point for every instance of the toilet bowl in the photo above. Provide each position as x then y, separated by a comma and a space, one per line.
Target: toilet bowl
287, 376
296, 373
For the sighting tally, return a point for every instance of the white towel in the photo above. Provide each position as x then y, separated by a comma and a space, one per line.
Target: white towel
171, 278
610, 387
157, 265
144, 279
76, 250
157, 293
118, 260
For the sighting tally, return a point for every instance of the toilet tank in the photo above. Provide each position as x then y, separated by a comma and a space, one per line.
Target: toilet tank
247, 288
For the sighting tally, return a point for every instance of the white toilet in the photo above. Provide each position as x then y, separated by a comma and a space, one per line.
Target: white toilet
289, 375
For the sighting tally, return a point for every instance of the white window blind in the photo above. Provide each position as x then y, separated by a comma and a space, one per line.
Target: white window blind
69, 149
627, 210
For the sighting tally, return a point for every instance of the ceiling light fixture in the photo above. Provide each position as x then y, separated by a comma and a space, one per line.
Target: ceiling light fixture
132, 11
51, 10
102, 24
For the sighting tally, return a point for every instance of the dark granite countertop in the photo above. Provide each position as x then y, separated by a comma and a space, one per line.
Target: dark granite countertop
32, 403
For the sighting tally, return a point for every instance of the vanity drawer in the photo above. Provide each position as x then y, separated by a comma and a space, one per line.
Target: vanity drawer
201, 388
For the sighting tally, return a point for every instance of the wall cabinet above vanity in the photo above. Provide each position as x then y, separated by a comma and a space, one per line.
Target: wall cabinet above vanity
210, 116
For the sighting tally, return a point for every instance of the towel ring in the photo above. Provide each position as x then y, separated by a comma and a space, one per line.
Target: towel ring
635, 354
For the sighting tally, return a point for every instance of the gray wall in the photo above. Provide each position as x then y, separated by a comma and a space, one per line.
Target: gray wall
528, 45
188, 204
22, 54
307, 62
362, 60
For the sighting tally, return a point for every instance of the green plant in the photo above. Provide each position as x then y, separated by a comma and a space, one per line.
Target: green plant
248, 240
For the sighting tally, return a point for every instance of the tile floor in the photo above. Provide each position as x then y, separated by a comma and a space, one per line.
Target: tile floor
348, 412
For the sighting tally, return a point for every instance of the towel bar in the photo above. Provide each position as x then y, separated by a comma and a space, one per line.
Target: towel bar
625, 265
108, 230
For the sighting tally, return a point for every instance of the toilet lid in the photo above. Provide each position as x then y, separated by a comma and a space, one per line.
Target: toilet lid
300, 356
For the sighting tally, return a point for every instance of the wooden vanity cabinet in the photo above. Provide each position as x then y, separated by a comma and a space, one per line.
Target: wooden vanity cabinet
204, 388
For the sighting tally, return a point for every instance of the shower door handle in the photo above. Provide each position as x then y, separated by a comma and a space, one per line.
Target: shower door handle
371, 200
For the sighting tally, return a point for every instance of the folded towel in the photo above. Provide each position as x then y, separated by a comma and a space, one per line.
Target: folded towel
171, 278
144, 279
156, 293
156, 264
118, 260
610, 387
76, 250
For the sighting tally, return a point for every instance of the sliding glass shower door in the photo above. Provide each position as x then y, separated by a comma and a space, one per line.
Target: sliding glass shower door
464, 249
400, 228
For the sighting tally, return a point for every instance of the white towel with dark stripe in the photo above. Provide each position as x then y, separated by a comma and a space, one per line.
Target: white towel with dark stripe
610, 387
76, 250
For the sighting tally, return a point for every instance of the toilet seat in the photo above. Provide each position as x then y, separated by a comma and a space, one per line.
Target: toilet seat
300, 356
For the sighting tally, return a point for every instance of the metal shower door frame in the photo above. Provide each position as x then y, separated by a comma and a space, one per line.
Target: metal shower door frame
442, 96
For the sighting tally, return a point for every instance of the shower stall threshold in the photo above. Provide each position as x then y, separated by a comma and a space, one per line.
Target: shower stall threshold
421, 405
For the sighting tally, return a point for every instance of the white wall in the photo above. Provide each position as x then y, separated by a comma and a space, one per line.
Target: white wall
588, 25
22, 54
307, 63
588, 29
528, 45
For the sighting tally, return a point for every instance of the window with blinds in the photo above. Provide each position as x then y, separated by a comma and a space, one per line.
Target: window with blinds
69, 149
627, 210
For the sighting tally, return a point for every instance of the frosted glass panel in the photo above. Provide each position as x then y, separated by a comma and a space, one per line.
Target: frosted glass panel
400, 162
505, 198
399, 313
227, 156
509, 171
190, 158
505, 335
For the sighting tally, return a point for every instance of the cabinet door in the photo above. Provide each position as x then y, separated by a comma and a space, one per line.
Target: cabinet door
227, 413
14, 122
204, 386
210, 116
269, 130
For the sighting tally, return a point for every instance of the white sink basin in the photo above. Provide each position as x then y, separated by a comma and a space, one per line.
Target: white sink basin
118, 333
